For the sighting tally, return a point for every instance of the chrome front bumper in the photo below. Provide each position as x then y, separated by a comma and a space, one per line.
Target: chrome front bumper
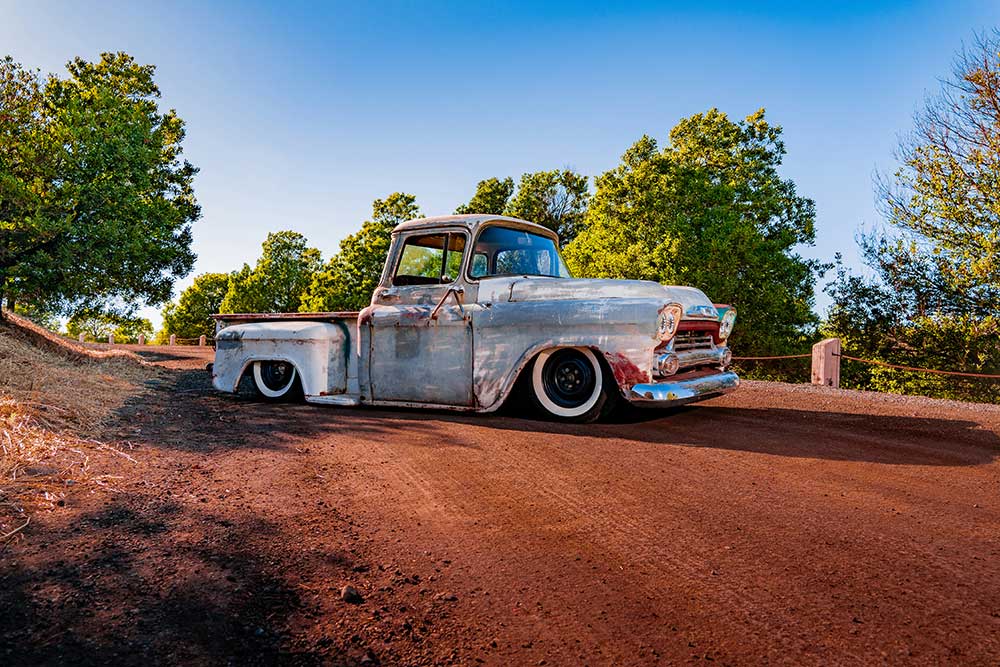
678, 392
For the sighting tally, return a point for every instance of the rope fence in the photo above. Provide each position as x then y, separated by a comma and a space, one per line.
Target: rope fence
988, 376
827, 355
783, 356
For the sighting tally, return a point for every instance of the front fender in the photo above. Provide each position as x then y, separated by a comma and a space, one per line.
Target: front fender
509, 335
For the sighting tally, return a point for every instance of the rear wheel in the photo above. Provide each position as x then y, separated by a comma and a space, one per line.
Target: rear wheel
276, 380
568, 384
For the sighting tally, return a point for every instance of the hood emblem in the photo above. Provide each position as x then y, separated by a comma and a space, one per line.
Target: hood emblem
702, 311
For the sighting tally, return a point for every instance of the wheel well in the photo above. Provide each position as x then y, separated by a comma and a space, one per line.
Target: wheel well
519, 388
248, 369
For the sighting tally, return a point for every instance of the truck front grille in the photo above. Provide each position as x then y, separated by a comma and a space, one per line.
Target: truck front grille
693, 340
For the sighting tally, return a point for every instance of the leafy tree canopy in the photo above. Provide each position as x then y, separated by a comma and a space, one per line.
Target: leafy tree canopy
555, 199
946, 192
911, 313
190, 315
930, 300
491, 197
276, 284
710, 210
40, 316
347, 281
96, 204
96, 325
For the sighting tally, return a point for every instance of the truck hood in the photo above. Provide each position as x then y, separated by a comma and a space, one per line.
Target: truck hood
538, 288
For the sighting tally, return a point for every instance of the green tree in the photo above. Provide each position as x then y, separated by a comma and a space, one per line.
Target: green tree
491, 197
347, 281
946, 192
96, 325
931, 297
710, 210
96, 204
190, 315
554, 199
43, 318
910, 313
276, 284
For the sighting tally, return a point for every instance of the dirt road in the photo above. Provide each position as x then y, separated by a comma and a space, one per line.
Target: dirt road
778, 525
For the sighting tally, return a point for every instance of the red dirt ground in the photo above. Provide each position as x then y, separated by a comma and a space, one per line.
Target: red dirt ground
780, 524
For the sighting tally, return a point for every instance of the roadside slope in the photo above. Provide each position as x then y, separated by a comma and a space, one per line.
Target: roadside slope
55, 397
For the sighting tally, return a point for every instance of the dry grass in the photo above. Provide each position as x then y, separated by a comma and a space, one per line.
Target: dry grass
55, 396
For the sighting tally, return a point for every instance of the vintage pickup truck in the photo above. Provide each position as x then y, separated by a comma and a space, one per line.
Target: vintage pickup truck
474, 309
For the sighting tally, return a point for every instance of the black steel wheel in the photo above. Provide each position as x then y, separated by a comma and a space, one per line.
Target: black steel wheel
568, 384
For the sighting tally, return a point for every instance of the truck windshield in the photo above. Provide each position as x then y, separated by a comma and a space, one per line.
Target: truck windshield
501, 251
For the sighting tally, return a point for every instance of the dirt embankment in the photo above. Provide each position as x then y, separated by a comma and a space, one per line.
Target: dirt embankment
55, 398
779, 524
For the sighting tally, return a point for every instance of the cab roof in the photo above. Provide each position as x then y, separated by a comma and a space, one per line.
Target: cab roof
472, 222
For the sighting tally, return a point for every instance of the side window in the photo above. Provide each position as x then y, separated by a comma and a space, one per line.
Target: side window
430, 259
453, 261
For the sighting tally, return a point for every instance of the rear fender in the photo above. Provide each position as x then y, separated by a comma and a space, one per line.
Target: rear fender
319, 352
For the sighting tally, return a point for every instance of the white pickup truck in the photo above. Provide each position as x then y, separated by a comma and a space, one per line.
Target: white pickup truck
472, 309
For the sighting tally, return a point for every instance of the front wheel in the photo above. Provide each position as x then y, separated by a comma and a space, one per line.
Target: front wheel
276, 380
568, 384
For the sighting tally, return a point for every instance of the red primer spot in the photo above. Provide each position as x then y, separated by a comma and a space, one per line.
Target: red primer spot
626, 373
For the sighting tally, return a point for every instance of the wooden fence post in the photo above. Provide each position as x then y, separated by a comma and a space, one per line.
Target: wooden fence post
201, 341
173, 339
82, 337
826, 363
111, 339
142, 339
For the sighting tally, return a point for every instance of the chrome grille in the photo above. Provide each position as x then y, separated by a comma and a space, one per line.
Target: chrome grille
693, 340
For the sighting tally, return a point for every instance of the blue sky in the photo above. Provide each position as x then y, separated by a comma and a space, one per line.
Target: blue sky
299, 115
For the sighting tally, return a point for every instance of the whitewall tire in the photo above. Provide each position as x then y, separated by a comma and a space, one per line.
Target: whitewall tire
568, 384
275, 380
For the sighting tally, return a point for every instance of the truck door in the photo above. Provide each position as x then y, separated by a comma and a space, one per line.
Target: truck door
419, 354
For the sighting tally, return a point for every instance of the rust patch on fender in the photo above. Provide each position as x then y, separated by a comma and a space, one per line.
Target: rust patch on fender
626, 373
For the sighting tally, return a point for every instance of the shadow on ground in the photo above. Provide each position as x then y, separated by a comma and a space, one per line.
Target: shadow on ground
188, 414
157, 584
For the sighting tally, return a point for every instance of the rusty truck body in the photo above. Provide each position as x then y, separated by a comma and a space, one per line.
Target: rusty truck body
471, 310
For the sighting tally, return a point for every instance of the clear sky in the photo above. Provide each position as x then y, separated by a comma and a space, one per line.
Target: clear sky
299, 115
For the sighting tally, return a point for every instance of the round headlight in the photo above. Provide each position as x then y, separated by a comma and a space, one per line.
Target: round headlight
668, 321
726, 325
